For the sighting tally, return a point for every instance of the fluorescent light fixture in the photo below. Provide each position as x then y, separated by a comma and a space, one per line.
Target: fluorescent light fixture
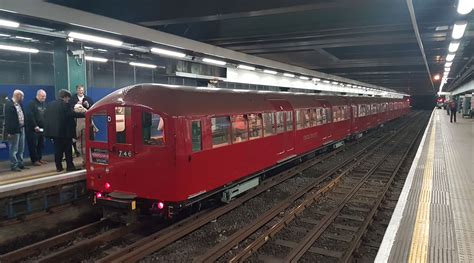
23, 38
304, 78
316, 79
447, 69
335, 82
214, 61
207, 88
96, 59
465, 6
326, 81
168, 52
143, 65
102, 50
450, 57
89, 48
9, 23
458, 29
270, 71
289, 75
246, 67
453, 46
19, 49
448, 64
240, 90
4, 35
95, 39
264, 91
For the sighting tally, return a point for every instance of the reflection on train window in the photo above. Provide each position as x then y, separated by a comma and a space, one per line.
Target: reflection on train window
122, 117
268, 124
220, 131
255, 126
289, 121
280, 121
98, 127
239, 128
196, 136
152, 129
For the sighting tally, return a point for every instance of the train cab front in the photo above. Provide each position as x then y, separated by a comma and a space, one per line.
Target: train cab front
121, 143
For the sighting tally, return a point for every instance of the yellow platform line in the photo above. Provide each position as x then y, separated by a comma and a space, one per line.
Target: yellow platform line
421, 233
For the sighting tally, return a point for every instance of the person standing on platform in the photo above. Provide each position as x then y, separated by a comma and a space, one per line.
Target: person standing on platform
61, 128
80, 103
15, 128
453, 108
35, 126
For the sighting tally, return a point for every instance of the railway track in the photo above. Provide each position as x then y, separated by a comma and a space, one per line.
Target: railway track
66, 245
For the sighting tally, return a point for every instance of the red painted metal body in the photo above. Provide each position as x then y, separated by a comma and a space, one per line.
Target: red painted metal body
172, 172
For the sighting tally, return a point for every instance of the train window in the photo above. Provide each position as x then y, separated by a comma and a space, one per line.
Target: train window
289, 121
268, 124
314, 117
220, 131
328, 115
152, 129
98, 126
319, 116
122, 117
354, 111
299, 118
308, 121
196, 136
280, 122
239, 128
255, 126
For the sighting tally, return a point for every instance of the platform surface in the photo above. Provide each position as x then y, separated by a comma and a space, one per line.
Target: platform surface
434, 217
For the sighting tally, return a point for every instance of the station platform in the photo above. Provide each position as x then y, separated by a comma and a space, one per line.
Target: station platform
433, 220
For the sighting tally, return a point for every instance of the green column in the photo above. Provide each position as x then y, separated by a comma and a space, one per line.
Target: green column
69, 70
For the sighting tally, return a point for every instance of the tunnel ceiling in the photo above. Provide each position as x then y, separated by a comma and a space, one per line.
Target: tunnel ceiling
367, 40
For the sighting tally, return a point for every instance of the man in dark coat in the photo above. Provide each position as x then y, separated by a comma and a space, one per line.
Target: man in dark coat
15, 128
61, 127
35, 127
453, 108
82, 100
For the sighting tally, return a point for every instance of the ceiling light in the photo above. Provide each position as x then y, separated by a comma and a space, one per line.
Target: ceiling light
453, 46
90, 48
96, 39
143, 65
458, 29
168, 52
289, 75
9, 23
316, 79
4, 35
264, 91
240, 90
447, 69
214, 61
436, 77
96, 59
465, 6
448, 64
102, 50
19, 49
304, 78
207, 88
270, 71
450, 57
326, 81
335, 82
24, 38
246, 67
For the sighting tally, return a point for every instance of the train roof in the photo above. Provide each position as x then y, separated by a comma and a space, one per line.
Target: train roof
188, 101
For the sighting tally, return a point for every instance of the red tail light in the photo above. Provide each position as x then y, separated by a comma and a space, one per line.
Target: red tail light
107, 186
98, 195
160, 205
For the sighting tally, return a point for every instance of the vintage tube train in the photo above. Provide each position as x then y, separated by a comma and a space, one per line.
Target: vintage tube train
160, 148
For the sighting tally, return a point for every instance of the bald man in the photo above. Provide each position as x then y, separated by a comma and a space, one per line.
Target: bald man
35, 126
15, 128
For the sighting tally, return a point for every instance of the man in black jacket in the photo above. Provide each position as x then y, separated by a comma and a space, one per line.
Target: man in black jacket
35, 126
82, 100
60, 126
15, 128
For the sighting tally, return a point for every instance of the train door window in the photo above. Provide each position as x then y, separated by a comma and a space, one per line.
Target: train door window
152, 129
307, 118
122, 119
220, 127
255, 126
98, 127
196, 136
354, 111
239, 128
328, 115
314, 117
268, 124
280, 122
299, 118
289, 121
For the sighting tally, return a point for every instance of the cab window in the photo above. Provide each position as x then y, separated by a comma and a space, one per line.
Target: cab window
220, 127
152, 129
239, 128
98, 127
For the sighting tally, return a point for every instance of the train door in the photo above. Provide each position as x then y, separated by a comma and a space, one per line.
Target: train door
284, 127
122, 131
354, 117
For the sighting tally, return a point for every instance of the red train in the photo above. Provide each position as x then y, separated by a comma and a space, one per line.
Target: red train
161, 147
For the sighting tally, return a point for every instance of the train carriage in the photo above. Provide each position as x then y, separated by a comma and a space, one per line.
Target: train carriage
166, 147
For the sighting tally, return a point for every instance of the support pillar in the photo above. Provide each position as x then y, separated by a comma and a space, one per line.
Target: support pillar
69, 69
